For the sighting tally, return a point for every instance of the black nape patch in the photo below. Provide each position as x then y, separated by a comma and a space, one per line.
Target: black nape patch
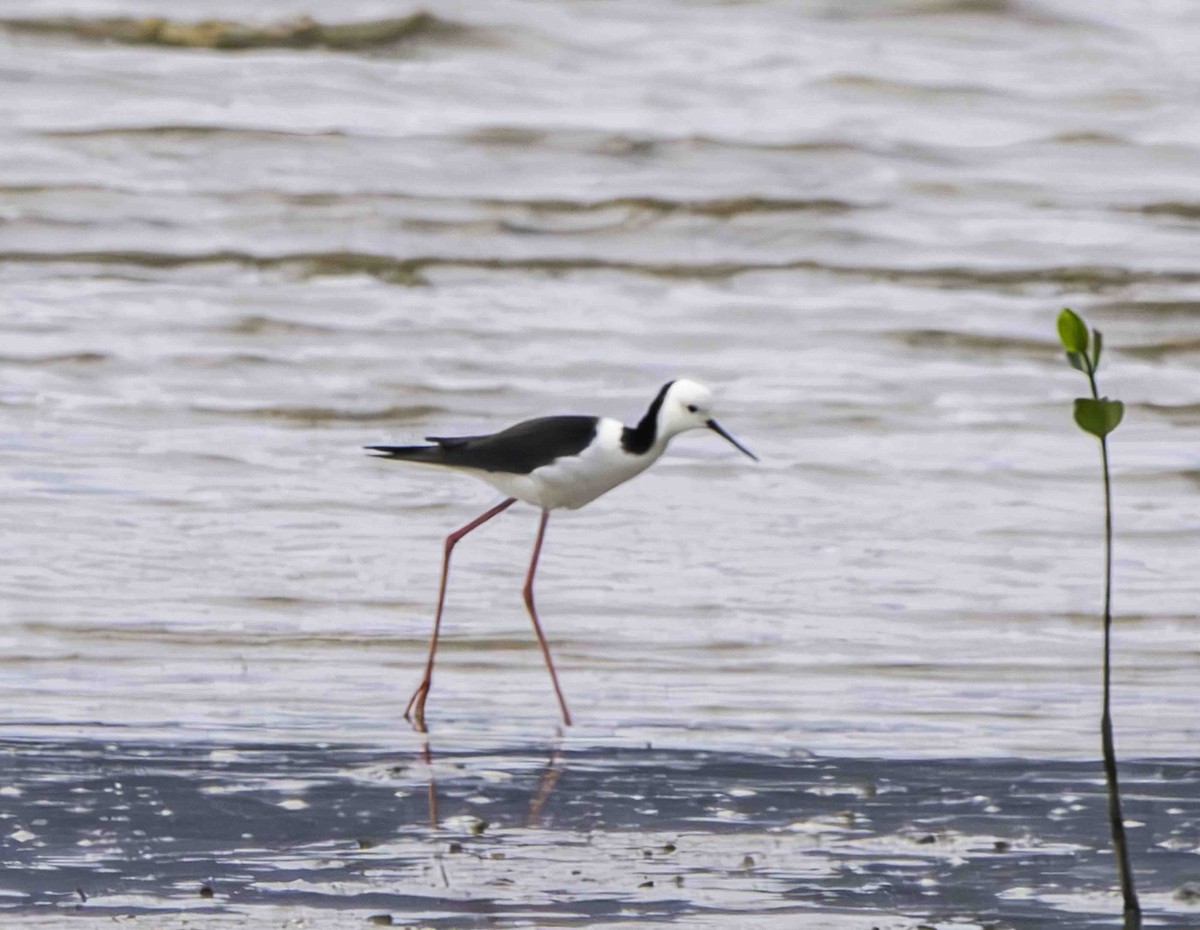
638, 440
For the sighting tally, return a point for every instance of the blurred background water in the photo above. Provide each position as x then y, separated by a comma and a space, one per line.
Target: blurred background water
224, 269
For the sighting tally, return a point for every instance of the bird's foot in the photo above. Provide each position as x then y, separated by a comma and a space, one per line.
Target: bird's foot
414, 713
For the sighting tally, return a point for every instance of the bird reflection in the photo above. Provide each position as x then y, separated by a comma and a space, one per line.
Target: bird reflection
427, 758
546, 782
548, 778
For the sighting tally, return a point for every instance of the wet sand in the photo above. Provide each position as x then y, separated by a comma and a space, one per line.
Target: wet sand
553, 836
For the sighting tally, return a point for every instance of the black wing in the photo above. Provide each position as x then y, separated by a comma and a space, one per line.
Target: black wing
518, 450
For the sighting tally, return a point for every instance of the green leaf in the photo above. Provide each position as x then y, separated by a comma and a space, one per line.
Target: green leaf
1098, 417
1072, 332
1097, 345
1076, 361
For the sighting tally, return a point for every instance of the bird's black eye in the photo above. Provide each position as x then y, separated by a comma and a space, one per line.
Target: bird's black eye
692, 408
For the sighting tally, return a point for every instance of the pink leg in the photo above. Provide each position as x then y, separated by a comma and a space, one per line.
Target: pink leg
537, 627
415, 711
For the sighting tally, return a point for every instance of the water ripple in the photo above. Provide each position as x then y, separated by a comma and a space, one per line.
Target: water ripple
397, 270
231, 35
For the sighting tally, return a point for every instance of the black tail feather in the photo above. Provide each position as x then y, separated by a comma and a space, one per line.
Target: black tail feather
407, 453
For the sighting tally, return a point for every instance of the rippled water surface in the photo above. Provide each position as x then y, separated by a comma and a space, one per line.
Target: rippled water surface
234, 251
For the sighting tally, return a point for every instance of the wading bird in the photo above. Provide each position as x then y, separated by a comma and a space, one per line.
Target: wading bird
554, 462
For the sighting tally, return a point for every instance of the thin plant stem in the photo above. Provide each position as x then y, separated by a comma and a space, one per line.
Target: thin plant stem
1116, 819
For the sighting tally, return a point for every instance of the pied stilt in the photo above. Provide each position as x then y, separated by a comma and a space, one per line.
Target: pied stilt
552, 463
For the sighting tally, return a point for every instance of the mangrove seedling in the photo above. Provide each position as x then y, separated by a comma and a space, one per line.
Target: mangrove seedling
1100, 416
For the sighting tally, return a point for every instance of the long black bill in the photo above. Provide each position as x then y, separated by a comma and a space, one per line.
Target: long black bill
716, 428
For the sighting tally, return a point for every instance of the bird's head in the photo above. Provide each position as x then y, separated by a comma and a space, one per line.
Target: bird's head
688, 405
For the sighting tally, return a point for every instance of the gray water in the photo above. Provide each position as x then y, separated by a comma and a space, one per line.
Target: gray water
225, 270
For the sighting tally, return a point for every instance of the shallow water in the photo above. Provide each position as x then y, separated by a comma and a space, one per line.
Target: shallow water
223, 272
607, 836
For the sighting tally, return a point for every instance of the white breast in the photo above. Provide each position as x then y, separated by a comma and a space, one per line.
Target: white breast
573, 481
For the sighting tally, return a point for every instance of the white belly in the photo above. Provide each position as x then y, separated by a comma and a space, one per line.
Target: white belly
574, 481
